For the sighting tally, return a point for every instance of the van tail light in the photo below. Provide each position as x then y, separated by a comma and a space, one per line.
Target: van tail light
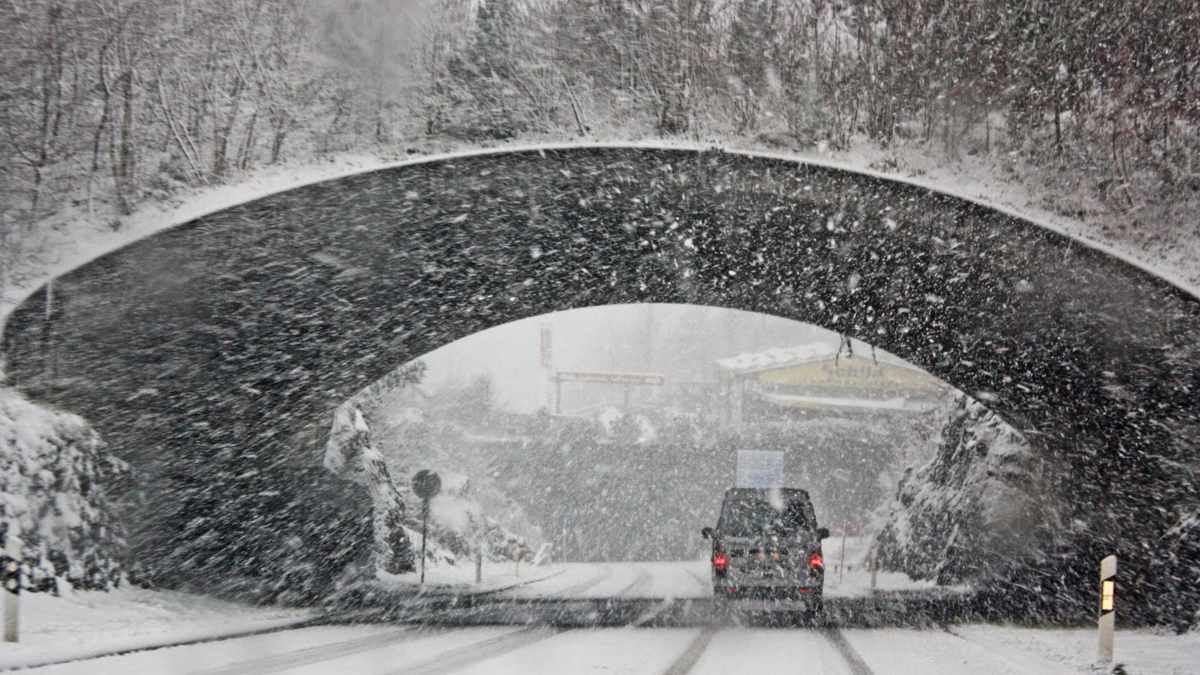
816, 562
720, 562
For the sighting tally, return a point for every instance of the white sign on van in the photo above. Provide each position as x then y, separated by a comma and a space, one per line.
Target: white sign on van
759, 468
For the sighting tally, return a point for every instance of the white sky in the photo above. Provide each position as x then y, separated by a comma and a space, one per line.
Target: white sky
681, 341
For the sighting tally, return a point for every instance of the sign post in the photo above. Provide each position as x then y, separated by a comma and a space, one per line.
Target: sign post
1108, 606
426, 484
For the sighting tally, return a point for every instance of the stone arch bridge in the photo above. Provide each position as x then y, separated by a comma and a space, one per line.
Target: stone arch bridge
212, 354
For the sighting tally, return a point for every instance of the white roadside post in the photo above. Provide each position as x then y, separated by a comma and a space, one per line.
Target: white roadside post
479, 560
874, 566
842, 559
1108, 613
12, 583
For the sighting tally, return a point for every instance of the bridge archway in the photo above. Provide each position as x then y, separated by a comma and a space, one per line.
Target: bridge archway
228, 340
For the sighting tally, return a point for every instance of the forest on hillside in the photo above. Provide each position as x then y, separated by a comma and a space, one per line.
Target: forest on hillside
108, 103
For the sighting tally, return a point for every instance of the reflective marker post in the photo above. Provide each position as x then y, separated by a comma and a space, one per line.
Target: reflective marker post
874, 566
11, 573
479, 563
1108, 613
12, 597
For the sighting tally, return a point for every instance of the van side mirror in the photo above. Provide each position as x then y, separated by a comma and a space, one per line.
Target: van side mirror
707, 533
823, 532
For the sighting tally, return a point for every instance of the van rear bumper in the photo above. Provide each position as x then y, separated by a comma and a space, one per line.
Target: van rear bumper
803, 595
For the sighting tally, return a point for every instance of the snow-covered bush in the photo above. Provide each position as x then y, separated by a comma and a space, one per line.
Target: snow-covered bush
974, 508
53, 468
350, 453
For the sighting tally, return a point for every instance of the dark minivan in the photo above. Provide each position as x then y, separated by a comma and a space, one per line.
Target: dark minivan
766, 551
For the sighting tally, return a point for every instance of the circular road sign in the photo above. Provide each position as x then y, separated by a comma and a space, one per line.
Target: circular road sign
426, 484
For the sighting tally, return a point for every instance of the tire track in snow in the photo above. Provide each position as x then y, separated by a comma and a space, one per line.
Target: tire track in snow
578, 589
641, 584
692, 654
457, 659
705, 584
852, 657
327, 652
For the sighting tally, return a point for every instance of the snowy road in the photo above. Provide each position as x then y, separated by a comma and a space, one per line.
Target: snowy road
638, 644
622, 580
381, 649
690, 579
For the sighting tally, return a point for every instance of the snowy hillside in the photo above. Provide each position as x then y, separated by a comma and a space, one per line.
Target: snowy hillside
53, 469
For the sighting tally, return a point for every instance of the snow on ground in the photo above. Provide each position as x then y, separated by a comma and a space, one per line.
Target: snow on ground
378, 649
691, 579
677, 579
770, 651
926, 652
576, 580
854, 578
1141, 651
89, 622
433, 646
234, 655
628, 651
461, 577
369, 649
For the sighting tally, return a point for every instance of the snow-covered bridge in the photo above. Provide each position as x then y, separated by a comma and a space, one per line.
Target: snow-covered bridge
212, 354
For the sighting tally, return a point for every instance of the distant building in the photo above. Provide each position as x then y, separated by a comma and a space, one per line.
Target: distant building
814, 379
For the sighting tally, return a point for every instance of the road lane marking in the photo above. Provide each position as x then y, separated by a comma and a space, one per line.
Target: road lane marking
692, 654
852, 658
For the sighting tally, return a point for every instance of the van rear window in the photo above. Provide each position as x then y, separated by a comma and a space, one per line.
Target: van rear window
753, 516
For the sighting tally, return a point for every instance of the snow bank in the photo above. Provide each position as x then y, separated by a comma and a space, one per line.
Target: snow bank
1141, 651
53, 467
975, 506
85, 623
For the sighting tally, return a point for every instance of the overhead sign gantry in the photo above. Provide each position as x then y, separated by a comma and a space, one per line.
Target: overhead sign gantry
626, 379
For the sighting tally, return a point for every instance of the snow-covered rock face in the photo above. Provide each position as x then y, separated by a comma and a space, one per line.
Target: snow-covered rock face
53, 467
978, 506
